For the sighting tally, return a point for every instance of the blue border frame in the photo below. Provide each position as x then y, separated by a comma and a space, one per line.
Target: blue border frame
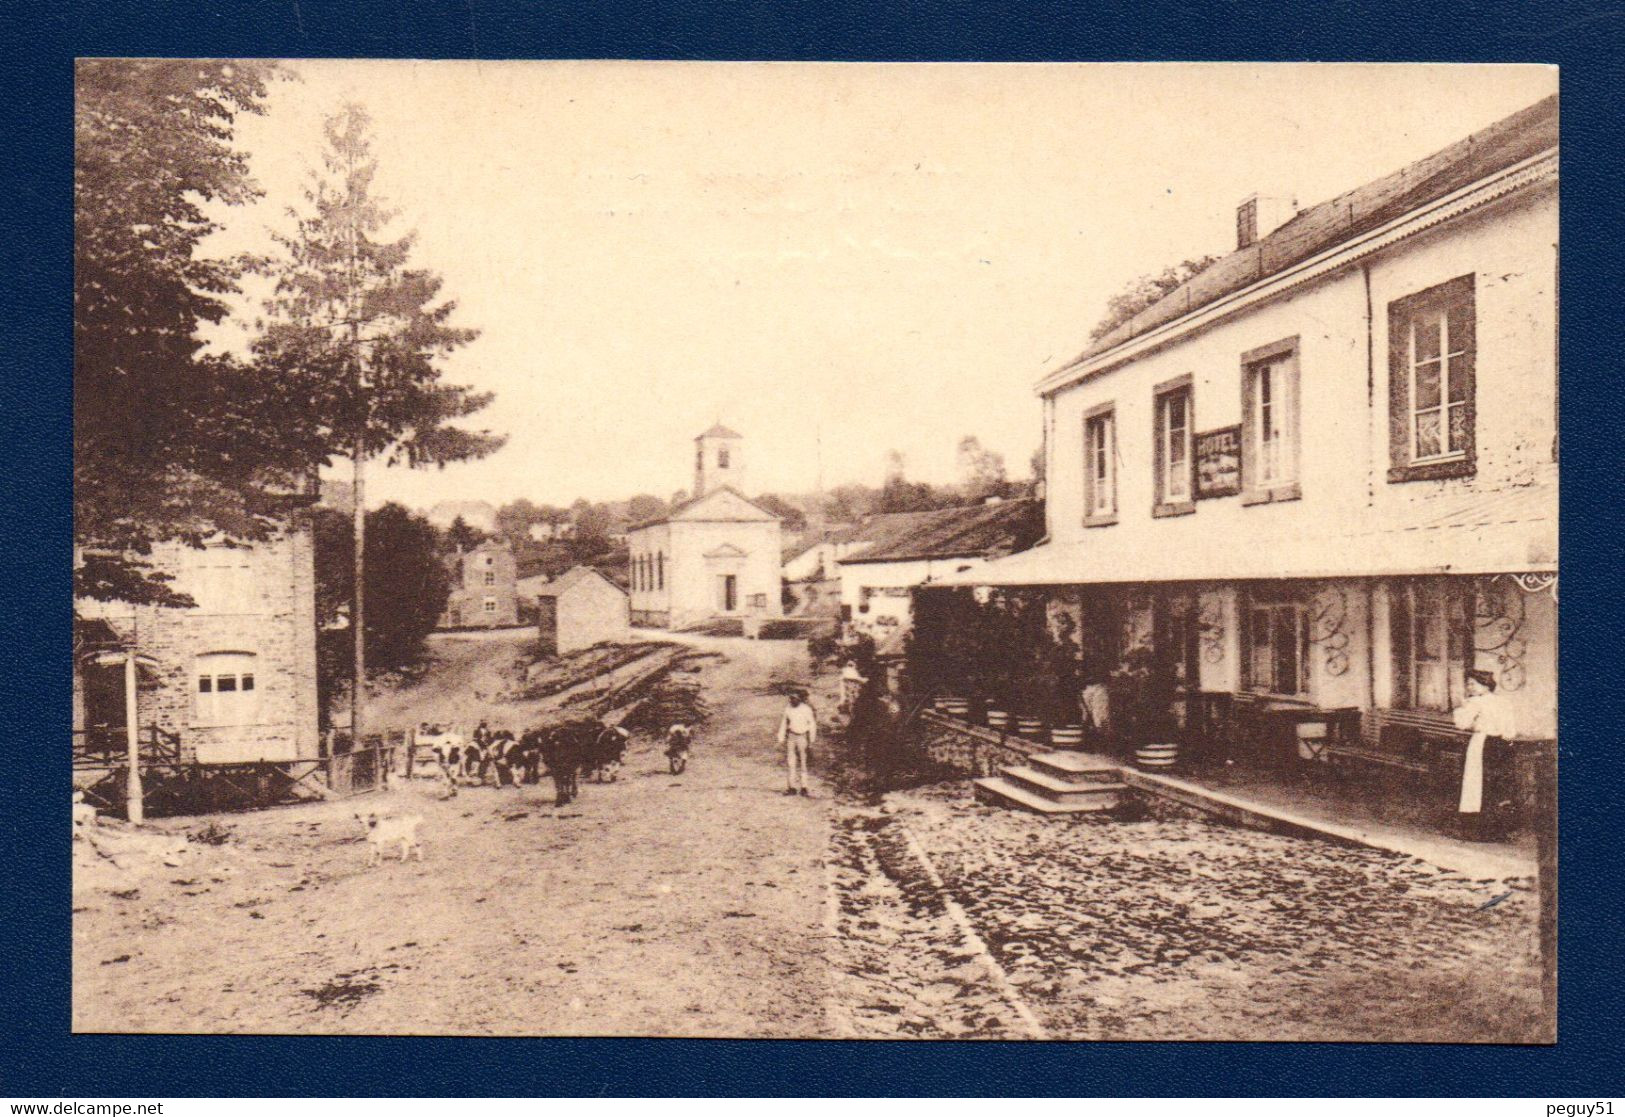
40, 1058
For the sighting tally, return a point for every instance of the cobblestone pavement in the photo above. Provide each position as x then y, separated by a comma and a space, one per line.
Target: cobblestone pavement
1172, 927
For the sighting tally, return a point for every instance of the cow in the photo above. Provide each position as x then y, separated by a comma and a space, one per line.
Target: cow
582, 744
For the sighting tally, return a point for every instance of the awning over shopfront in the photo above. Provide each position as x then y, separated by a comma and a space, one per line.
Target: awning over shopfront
1507, 532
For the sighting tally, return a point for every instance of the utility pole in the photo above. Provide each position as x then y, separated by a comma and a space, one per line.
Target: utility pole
358, 460
134, 808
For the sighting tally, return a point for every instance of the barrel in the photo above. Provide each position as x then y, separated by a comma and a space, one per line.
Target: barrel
1156, 756
1066, 736
954, 707
998, 719
1030, 727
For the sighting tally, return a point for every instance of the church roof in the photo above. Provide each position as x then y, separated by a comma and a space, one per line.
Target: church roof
720, 431
678, 512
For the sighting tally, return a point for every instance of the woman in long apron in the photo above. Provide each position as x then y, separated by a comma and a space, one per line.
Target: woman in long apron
1488, 716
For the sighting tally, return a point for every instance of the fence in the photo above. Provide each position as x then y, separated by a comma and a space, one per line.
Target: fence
352, 771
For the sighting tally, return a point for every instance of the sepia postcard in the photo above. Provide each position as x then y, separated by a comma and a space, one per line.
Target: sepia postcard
838, 551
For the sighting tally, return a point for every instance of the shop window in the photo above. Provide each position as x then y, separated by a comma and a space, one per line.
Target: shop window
1430, 640
1432, 343
1277, 641
226, 693
1100, 467
1269, 423
660, 570
1171, 438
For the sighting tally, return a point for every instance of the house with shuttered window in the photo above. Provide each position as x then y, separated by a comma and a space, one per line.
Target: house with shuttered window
1320, 478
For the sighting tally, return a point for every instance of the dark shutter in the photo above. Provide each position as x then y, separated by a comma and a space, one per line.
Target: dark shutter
1399, 383
1399, 643
1249, 432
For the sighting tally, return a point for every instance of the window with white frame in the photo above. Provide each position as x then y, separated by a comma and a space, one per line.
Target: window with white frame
1277, 637
1100, 466
1172, 456
722, 457
490, 605
226, 693
490, 578
1269, 424
1432, 349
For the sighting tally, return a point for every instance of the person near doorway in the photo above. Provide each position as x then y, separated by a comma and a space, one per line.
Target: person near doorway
1488, 716
798, 729
852, 681
1094, 701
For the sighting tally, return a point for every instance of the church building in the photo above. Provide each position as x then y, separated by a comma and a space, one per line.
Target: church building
715, 555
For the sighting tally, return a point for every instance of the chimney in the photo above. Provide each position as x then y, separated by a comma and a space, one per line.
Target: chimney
1259, 215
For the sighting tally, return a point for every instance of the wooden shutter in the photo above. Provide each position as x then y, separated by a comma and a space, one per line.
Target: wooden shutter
1249, 431
1399, 643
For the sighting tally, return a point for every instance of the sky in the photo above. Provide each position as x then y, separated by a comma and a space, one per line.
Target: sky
835, 260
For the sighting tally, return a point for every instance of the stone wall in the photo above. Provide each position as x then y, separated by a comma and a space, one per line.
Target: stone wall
971, 749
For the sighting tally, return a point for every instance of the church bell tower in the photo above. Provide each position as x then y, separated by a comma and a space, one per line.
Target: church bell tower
718, 461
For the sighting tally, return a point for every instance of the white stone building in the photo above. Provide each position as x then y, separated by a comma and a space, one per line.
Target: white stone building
714, 556
1322, 475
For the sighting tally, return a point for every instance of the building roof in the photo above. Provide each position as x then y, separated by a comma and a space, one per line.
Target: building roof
720, 431
677, 510
1009, 525
572, 578
1503, 144
1512, 531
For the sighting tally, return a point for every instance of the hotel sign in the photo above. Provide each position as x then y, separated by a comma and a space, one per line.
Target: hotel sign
1218, 462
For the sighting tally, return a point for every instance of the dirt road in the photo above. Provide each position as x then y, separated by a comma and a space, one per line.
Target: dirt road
711, 905
655, 905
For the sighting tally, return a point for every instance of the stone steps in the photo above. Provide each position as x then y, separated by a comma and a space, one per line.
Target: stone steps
1054, 783
1062, 791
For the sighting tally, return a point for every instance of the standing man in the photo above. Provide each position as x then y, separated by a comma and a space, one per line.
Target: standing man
1488, 717
798, 729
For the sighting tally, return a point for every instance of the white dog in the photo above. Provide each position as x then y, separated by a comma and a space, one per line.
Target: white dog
386, 830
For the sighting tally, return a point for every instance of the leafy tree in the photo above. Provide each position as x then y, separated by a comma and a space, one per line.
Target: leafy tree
790, 517
593, 525
644, 507
354, 335
981, 471
515, 518
408, 586
168, 443
463, 536
1142, 292
899, 494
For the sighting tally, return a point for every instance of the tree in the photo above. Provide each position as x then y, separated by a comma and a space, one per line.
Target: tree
899, 494
169, 444
790, 517
644, 507
515, 518
463, 536
981, 471
358, 336
407, 583
1142, 292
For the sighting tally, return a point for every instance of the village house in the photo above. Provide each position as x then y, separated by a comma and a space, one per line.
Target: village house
484, 592
230, 680
578, 609
903, 550
715, 555
1317, 483
812, 586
